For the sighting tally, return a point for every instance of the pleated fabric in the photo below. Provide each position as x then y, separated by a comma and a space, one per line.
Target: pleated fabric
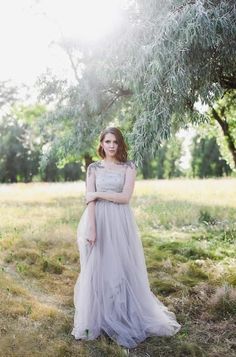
112, 293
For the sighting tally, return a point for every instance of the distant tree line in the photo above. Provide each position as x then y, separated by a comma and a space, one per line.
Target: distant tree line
22, 144
25, 154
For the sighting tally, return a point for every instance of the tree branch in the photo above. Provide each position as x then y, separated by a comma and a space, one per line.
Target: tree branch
228, 82
73, 65
226, 131
118, 93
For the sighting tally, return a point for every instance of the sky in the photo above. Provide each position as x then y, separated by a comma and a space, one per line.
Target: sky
29, 30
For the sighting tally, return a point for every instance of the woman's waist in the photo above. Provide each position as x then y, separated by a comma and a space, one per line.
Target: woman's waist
108, 202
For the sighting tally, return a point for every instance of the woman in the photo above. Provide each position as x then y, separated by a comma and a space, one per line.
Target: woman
112, 293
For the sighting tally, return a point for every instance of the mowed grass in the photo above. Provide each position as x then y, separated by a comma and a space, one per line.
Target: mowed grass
188, 230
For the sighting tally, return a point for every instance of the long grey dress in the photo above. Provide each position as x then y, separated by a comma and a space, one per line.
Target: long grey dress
112, 292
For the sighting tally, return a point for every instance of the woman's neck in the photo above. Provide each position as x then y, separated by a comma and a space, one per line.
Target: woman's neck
110, 160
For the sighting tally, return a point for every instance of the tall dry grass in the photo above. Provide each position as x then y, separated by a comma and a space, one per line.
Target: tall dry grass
188, 229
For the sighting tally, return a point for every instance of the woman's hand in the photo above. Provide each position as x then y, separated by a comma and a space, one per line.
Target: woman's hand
92, 237
90, 196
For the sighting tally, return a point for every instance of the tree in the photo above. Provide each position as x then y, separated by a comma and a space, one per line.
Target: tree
173, 54
18, 162
224, 114
221, 125
8, 94
186, 56
81, 109
172, 158
166, 163
21, 143
206, 159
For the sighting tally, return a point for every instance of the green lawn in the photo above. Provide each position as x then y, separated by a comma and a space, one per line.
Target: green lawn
188, 229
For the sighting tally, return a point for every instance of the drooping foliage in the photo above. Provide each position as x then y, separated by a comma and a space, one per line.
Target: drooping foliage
189, 56
172, 55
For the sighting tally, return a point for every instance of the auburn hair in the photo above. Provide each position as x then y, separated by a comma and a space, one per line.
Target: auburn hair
121, 154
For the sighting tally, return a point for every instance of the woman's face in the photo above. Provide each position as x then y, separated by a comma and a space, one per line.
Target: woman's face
110, 145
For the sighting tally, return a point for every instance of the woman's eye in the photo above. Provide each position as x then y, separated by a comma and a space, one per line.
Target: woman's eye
108, 142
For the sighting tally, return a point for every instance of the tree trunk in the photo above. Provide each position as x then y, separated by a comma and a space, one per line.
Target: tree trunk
146, 170
226, 131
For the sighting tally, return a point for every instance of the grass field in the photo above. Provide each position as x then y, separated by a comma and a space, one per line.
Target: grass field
188, 230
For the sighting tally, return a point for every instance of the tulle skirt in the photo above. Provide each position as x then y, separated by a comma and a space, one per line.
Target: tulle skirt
112, 293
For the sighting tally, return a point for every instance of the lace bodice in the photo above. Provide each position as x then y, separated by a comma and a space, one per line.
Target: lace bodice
118, 178
107, 180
